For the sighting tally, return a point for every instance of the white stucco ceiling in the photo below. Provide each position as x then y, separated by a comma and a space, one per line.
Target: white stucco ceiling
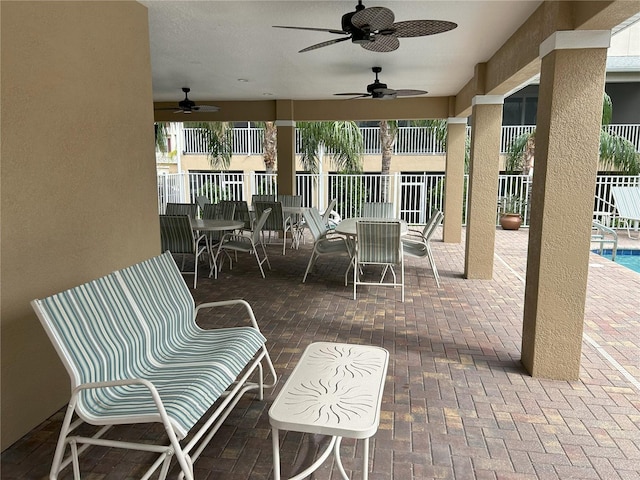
210, 45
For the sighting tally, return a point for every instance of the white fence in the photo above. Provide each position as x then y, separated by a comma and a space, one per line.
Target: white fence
413, 195
409, 141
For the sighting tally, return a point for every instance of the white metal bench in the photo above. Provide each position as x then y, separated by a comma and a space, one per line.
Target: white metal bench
135, 354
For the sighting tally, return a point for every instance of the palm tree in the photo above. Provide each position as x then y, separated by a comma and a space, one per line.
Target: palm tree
218, 137
388, 134
161, 136
269, 146
615, 151
342, 139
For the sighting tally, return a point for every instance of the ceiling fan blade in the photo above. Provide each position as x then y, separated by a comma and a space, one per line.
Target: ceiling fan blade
329, 30
373, 18
354, 95
384, 91
382, 43
324, 44
410, 93
205, 108
419, 28
165, 108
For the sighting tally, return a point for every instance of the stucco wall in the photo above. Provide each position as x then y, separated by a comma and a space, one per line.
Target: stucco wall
78, 194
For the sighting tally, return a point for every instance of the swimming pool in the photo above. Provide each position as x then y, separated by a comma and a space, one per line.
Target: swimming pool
625, 257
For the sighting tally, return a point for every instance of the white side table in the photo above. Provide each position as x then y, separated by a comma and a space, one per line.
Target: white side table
335, 389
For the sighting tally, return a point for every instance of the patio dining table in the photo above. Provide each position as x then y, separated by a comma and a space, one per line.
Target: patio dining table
214, 225
348, 225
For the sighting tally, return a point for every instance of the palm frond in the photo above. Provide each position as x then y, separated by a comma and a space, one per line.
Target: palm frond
161, 136
343, 140
607, 110
517, 150
218, 137
619, 153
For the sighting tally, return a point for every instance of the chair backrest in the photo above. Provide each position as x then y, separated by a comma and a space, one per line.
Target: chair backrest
227, 210
275, 221
210, 211
242, 213
627, 201
176, 234
432, 224
201, 200
262, 198
220, 211
377, 209
290, 200
189, 209
315, 224
326, 216
379, 242
255, 234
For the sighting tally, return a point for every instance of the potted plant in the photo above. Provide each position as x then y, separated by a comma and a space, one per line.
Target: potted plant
509, 209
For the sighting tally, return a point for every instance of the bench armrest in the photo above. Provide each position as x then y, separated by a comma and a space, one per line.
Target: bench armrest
223, 303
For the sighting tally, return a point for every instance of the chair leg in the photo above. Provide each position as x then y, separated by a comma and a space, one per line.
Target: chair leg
195, 269
255, 252
402, 276
312, 261
266, 257
433, 265
356, 267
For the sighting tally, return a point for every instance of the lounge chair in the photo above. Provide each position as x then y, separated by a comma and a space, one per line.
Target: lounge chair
627, 202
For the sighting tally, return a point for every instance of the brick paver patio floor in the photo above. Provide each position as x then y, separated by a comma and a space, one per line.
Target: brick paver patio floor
457, 404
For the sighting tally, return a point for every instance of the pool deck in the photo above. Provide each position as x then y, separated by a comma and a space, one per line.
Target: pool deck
457, 404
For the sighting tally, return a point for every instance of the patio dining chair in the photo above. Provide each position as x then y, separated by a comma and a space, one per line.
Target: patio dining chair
324, 242
189, 209
243, 214
276, 222
295, 220
378, 243
417, 244
377, 210
177, 236
246, 242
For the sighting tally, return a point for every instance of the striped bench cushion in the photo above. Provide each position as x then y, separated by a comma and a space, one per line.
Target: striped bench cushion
140, 323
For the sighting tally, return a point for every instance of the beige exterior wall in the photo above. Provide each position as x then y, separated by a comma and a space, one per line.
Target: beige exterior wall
78, 190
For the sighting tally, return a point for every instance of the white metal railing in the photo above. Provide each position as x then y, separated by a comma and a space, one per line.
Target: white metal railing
630, 132
510, 133
409, 141
413, 195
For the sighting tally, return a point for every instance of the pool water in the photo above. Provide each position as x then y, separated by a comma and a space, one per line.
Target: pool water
627, 258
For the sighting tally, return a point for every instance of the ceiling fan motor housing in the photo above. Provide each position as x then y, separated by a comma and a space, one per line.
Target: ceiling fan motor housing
373, 87
358, 35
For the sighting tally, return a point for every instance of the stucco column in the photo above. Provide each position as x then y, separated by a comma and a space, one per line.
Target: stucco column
286, 127
454, 180
566, 164
486, 128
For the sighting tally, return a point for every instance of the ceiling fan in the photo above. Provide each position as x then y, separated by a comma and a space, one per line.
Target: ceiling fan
379, 90
373, 29
189, 106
